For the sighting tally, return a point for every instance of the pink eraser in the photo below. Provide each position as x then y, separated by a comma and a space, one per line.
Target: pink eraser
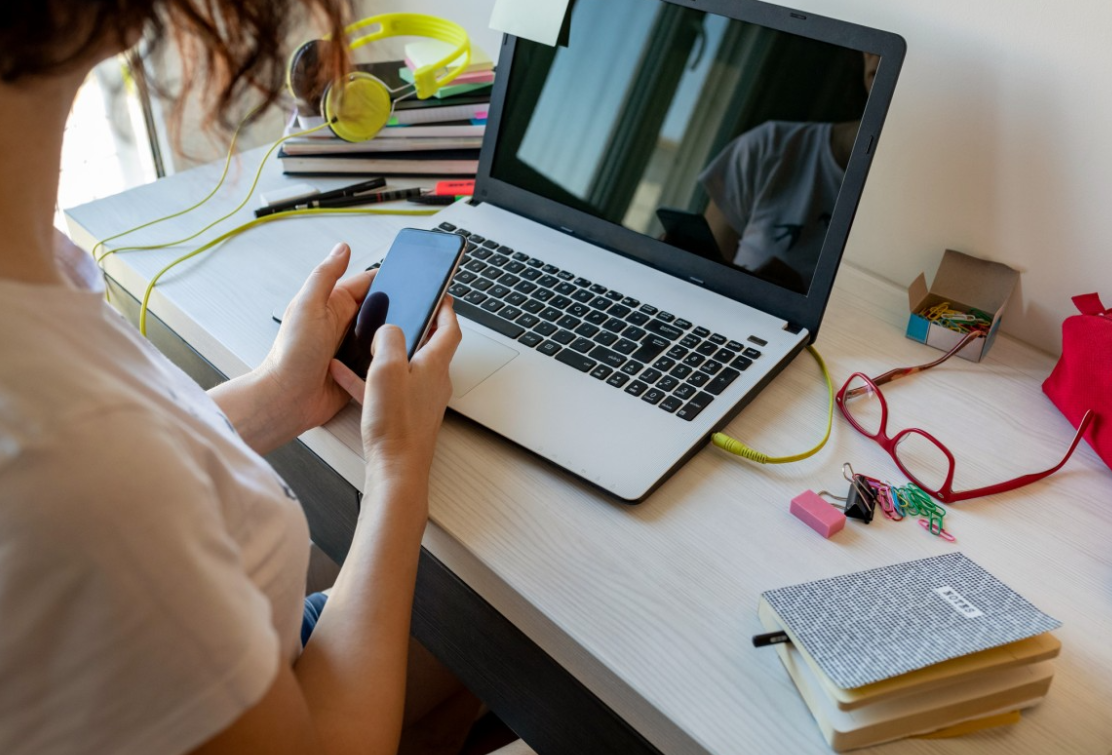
817, 513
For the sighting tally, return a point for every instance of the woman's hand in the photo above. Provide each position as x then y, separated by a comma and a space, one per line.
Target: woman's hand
297, 367
404, 401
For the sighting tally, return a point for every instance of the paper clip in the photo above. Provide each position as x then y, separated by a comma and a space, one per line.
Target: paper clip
935, 528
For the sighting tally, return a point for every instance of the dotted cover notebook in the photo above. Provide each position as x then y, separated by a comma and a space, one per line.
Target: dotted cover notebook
867, 626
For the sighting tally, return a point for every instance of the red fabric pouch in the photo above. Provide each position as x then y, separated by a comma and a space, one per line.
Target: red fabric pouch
1082, 379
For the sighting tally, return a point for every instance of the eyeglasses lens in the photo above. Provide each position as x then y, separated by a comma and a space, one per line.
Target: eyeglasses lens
924, 460
862, 403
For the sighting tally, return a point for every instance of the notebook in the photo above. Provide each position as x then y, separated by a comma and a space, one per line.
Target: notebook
590, 337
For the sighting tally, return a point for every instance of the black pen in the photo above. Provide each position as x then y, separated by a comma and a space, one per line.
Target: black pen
363, 186
772, 638
359, 199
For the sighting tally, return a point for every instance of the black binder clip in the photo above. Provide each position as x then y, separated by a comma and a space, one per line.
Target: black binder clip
860, 502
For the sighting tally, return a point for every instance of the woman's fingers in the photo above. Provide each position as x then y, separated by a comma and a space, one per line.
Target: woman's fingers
445, 338
318, 286
347, 380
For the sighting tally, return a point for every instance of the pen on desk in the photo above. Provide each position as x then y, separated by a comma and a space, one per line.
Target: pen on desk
772, 638
437, 199
360, 199
347, 191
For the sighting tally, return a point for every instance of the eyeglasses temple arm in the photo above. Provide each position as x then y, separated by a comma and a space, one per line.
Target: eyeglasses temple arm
1027, 479
901, 372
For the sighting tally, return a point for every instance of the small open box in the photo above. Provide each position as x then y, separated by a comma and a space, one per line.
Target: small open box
967, 283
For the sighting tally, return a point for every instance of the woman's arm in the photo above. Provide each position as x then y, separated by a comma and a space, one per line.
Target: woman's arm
346, 693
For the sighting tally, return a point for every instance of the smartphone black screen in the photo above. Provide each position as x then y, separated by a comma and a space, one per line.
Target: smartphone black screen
414, 275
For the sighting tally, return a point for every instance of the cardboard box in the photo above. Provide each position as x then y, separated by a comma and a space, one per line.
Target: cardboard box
966, 283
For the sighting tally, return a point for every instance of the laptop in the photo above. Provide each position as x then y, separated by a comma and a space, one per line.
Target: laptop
589, 338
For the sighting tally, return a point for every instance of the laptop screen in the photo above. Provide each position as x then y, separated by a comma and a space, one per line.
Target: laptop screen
723, 139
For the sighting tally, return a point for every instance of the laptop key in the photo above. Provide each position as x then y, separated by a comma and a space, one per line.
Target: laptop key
533, 306
699, 379
582, 282
684, 392
476, 266
576, 360
492, 305
636, 388
530, 339
711, 367
664, 329
614, 295
464, 276
680, 371
606, 338
751, 353
534, 262
637, 318
549, 348
498, 259
565, 288
560, 302
583, 345
736, 345
482, 284
525, 287
586, 330
596, 318
682, 324
741, 363
500, 291
664, 364
631, 302
569, 322
718, 339
551, 269
618, 380
722, 381
667, 383
724, 355
527, 321
530, 273
691, 410
649, 309
634, 333
694, 360
632, 368
516, 299
551, 314
476, 238
614, 325
665, 316
653, 395
510, 313
601, 372
476, 314
701, 332
543, 294
650, 376
563, 337
619, 310
583, 296
606, 356
677, 352
548, 281
508, 279
707, 349
565, 275
597, 289
689, 341
670, 404
625, 346
447, 227
475, 297
459, 290
518, 256
650, 349
545, 328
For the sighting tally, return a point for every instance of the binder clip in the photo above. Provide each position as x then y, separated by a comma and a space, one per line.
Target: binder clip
860, 502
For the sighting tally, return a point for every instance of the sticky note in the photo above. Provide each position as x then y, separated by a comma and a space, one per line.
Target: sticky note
817, 513
538, 20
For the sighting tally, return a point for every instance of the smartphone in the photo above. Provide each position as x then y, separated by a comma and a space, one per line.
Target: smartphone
407, 291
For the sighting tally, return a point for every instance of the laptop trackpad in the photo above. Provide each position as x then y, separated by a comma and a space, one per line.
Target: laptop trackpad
477, 359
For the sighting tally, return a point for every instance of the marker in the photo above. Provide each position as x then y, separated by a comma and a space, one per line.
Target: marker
360, 199
347, 191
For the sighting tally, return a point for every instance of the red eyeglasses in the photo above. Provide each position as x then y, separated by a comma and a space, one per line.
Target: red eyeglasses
917, 453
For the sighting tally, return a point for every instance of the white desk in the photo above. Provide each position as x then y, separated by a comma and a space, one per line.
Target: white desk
651, 607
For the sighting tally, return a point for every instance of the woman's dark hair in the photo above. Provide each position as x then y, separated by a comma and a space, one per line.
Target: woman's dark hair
229, 48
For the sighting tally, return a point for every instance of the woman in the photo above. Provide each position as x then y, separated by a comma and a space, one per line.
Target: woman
152, 565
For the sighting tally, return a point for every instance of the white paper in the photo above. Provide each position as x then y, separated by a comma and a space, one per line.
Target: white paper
537, 20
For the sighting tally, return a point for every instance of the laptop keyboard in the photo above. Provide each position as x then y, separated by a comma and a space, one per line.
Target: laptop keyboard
656, 356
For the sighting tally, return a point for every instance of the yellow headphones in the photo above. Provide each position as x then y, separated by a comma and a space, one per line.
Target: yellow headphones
356, 105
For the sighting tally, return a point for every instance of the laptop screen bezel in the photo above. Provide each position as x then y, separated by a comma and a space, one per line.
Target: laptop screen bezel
799, 310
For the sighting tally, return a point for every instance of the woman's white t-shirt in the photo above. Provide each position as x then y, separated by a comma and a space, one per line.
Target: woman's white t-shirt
152, 566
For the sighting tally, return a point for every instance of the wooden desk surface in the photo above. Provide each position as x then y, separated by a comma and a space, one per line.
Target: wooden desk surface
652, 606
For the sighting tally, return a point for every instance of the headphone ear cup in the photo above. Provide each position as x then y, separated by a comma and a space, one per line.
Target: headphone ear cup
310, 69
357, 106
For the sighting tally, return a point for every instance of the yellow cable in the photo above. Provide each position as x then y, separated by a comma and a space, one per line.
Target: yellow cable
735, 446
257, 222
237, 208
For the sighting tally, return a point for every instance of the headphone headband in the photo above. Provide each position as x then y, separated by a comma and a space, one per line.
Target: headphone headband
419, 25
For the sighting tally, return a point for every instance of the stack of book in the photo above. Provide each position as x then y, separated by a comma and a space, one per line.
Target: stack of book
438, 136
936, 647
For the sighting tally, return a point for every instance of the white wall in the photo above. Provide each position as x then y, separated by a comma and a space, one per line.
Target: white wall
998, 143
